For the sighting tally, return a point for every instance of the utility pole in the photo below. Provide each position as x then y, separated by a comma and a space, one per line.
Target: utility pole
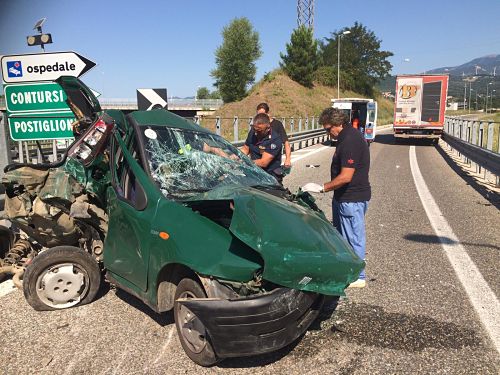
305, 13
470, 91
465, 93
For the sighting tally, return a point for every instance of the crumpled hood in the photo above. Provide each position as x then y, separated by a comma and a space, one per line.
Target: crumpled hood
300, 248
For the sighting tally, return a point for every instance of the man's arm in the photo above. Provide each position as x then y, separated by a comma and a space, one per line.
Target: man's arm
245, 149
265, 160
344, 177
288, 154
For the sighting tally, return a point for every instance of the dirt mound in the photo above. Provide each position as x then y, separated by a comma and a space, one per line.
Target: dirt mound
286, 98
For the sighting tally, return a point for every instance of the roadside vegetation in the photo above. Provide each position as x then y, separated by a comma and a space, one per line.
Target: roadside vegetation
286, 98
306, 81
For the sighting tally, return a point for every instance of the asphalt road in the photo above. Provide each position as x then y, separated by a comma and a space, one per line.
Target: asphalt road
413, 317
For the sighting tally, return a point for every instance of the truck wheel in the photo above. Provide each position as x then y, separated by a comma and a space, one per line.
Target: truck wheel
192, 333
61, 277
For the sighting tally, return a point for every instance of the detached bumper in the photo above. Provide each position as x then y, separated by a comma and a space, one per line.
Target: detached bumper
259, 324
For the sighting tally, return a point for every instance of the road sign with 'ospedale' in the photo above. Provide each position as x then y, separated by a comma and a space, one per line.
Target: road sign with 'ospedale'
35, 97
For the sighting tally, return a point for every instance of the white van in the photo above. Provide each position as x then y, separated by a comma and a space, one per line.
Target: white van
362, 114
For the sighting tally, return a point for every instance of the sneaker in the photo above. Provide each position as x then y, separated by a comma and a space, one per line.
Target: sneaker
360, 283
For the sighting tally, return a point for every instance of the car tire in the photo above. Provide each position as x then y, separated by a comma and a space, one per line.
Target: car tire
61, 277
192, 334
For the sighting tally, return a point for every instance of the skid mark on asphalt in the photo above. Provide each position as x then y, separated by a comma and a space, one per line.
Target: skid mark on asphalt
480, 294
6, 287
162, 351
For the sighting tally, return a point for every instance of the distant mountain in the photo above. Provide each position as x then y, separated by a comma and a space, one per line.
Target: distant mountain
486, 65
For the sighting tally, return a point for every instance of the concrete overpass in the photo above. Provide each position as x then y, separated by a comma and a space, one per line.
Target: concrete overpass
183, 107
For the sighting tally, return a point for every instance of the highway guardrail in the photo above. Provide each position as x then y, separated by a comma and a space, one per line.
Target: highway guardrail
477, 141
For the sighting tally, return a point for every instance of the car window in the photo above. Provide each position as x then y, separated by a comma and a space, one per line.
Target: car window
185, 163
127, 186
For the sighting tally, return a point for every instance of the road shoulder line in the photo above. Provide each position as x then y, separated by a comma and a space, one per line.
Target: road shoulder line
481, 296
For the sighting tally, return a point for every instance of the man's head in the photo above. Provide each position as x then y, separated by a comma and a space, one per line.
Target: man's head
262, 108
261, 124
333, 121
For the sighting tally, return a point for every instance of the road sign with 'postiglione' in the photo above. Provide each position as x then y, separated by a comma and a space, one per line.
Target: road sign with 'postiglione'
35, 97
41, 126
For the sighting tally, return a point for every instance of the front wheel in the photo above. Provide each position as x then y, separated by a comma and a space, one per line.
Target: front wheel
61, 277
192, 333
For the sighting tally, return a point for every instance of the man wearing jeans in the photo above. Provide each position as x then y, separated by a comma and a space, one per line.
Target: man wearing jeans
349, 181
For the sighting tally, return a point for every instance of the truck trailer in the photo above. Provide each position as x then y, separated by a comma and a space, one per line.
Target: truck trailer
420, 105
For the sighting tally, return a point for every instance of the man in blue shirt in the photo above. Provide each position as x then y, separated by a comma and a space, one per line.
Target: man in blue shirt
264, 146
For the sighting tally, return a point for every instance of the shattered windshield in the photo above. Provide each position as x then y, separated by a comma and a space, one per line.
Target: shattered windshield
185, 163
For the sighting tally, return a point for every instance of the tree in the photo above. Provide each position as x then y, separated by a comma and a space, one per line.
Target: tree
214, 95
235, 60
301, 59
202, 93
360, 57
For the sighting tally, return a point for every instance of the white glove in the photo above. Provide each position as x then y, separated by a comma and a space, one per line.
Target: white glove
312, 187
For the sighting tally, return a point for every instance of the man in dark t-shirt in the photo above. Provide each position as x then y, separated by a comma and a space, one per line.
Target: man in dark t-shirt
264, 146
278, 128
349, 181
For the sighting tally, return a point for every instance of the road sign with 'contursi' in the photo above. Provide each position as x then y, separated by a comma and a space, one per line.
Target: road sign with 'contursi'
35, 97
38, 111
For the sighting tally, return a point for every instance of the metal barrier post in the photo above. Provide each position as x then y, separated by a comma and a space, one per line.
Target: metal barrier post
5, 157
312, 123
217, 125
307, 122
20, 151
54, 150
291, 124
300, 124
480, 144
250, 123
27, 152
236, 134
491, 133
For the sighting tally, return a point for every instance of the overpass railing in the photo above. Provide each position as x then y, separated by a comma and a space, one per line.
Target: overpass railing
172, 103
120, 103
476, 142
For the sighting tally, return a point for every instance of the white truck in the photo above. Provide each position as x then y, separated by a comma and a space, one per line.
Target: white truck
362, 114
420, 105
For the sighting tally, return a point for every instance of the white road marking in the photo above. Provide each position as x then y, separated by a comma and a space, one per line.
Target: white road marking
481, 296
6, 287
295, 159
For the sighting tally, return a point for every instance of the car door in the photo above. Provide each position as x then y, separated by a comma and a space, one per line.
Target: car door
126, 246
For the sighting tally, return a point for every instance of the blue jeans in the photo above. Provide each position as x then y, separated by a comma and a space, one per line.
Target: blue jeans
349, 219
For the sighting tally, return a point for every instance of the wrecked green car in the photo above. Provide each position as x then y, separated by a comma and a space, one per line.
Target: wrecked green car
179, 217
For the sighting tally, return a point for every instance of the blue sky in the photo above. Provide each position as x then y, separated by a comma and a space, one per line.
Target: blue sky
154, 44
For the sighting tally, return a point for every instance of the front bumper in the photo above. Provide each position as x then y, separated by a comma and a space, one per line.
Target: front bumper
257, 324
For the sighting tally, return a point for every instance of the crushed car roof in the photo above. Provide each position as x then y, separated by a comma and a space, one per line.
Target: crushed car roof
161, 117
